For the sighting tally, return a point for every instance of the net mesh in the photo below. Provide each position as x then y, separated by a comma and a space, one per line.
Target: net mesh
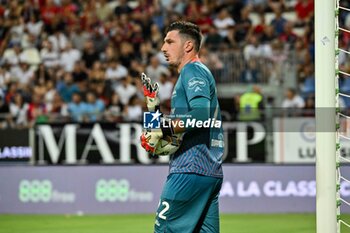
339, 131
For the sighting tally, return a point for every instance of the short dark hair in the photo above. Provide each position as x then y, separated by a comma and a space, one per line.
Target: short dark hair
188, 29
292, 90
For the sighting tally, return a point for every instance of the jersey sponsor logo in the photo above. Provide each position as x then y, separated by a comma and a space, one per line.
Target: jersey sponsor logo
196, 84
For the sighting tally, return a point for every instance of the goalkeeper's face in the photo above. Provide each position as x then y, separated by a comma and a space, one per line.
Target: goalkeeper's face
173, 48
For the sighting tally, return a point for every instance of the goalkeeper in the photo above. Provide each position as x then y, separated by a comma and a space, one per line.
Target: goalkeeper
189, 201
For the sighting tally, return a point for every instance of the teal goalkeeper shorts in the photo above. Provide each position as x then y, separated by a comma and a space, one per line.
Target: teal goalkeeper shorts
188, 204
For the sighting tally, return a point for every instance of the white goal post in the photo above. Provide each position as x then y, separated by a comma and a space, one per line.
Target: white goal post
325, 74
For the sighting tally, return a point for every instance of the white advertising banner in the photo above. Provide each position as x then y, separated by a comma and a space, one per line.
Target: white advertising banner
295, 139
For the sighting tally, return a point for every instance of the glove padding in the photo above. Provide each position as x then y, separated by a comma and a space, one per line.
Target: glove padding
151, 93
150, 139
169, 145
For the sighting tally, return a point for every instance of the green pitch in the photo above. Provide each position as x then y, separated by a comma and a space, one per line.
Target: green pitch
291, 223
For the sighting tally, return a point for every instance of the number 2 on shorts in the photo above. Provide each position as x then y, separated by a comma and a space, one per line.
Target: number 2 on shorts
166, 208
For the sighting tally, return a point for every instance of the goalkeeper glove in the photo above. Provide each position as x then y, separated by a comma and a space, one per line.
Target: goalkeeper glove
151, 93
150, 139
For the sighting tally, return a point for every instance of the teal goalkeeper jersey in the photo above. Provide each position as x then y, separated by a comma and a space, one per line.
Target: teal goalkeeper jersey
202, 148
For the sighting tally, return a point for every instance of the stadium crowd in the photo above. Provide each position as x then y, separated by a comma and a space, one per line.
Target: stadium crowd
77, 60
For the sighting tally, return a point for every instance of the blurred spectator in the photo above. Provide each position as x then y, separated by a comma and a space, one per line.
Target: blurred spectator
304, 10
49, 56
213, 39
254, 49
145, 52
102, 91
259, 28
268, 34
109, 54
58, 40
114, 111
79, 74
292, 100
103, 10
67, 87
166, 88
14, 9
309, 108
243, 26
136, 68
204, 20
29, 9
115, 72
136, 38
288, 36
50, 92
12, 89
12, 55
127, 54
79, 37
155, 69
125, 90
57, 109
40, 88
4, 113
139, 86
278, 57
308, 85
224, 23
4, 28
17, 31
258, 5
19, 112
22, 73
278, 22
5, 78
251, 74
213, 61
94, 107
37, 110
192, 10
301, 53
90, 55
69, 57
31, 54
76, 108
50, 15
99, 39
97, 73
156, 36
122, 8
35, 25
276, 4
133, 110
69, 13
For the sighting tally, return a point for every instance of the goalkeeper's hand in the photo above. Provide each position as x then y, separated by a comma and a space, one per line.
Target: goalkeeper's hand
150, 139
151, 93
